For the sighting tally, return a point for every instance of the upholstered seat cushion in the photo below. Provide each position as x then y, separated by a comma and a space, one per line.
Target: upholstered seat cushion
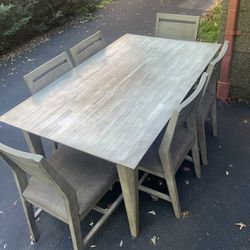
89, 176
181, 144
206, 104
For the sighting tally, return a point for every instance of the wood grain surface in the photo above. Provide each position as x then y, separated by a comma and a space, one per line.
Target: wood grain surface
114, 104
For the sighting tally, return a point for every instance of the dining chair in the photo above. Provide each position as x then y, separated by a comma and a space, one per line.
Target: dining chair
47, 73
180, 27
171, 147
208, 106
87, 47
67, 186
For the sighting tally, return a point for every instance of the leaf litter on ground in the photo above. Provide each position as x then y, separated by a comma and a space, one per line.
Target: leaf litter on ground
241, 225
154, 198
154, 240
186, 169
121, 243
152, 212
185, 214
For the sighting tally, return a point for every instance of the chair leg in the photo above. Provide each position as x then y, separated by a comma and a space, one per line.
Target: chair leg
214, 118
54, 147
202, 141
30, 218
75, 232
173, 193
196, 160
172, 188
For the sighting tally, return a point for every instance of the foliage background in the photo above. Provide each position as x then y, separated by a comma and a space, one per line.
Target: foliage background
21, 20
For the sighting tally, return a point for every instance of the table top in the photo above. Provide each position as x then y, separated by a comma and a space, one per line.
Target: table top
114, 104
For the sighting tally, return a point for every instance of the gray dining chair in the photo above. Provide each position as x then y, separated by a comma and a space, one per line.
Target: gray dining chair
180, 27
67, 186
47, 73
87, 47
171, 147
208, 102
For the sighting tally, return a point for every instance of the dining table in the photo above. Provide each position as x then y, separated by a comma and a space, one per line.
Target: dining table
114, 104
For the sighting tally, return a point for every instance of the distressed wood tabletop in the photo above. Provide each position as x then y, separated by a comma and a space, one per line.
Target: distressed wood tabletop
115, 103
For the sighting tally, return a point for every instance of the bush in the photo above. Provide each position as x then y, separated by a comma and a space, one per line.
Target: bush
21, 20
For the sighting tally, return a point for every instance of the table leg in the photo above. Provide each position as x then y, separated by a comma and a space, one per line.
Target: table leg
129, 184
34, 143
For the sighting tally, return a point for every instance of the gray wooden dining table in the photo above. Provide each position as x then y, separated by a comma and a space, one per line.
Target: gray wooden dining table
114, 104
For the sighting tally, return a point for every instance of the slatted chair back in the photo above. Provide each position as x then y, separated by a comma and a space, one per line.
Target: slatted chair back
180, 27
213, 70
184, 114
48, 72
87, 47
32, 164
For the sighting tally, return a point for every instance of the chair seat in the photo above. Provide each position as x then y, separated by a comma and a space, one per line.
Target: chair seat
89, 176
181, 144
205, 106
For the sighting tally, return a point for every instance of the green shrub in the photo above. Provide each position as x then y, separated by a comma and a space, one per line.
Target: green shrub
21, 20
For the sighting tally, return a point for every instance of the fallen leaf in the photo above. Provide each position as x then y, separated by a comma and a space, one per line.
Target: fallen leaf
185, 214
152, 212
121, 243
109, 205
30, 60
241, 225
154, 240
160, 182
154, 198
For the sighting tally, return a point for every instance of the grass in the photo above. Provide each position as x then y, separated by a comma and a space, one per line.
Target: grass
209, 29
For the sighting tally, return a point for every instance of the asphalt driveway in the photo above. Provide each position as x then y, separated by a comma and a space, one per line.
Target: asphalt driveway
215, 203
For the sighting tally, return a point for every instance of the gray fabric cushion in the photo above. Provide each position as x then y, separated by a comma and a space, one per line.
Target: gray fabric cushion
181, 144
89, 176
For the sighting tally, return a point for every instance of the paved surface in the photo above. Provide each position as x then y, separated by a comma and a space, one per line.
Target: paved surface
215, 203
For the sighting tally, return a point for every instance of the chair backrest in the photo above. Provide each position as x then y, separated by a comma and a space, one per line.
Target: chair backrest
87, 47
213, 70
180, 27
34, 165
48, 72
185, 111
